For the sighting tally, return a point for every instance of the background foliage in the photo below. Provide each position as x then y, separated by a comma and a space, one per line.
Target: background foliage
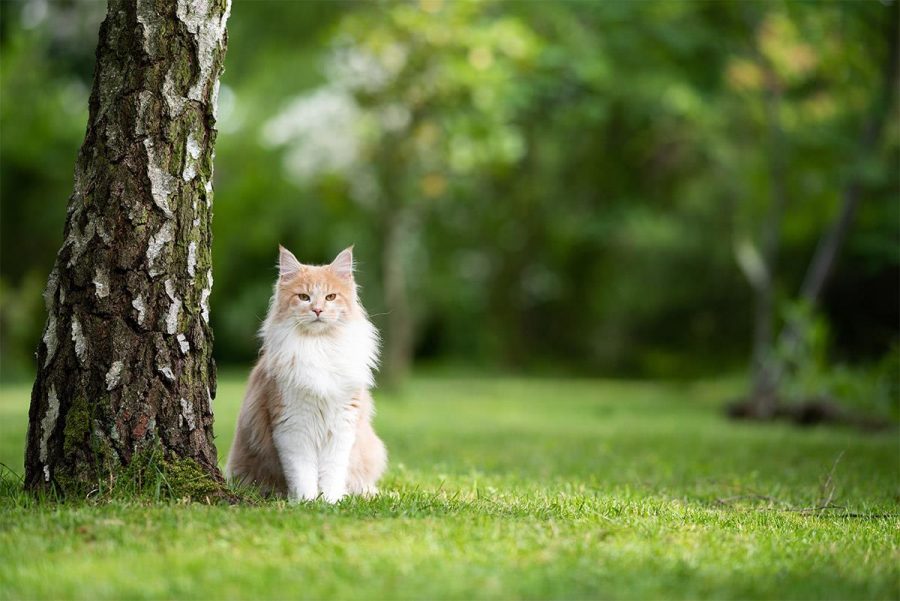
559, 186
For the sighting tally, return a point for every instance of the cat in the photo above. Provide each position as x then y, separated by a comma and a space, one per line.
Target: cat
305, 426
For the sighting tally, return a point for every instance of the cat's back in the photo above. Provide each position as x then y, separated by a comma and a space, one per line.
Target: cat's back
253, 457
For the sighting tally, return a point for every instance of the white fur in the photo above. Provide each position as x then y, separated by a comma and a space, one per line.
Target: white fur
317, 375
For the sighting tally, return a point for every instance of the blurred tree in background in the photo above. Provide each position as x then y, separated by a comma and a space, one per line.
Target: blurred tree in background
572, 186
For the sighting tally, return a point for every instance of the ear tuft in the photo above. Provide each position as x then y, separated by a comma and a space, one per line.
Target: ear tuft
288, 264
343, 263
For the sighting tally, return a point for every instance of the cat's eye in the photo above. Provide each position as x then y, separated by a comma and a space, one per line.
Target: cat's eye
303, 297
330, 297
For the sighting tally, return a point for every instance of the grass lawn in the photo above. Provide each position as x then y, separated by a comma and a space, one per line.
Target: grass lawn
503, 488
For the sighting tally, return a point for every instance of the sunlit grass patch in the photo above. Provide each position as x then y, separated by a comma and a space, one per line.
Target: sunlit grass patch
500, 488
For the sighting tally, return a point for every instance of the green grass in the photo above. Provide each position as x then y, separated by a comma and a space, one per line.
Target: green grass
503, 488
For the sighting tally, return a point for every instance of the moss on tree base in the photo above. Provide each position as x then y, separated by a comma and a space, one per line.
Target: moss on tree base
152, 475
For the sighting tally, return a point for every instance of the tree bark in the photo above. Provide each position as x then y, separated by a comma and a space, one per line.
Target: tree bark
125, 364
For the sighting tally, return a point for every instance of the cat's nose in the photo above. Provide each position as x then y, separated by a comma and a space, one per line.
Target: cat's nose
317, 311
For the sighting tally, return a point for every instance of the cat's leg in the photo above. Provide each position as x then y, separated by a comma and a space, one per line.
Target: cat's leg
297, 452
368, 458
334, 458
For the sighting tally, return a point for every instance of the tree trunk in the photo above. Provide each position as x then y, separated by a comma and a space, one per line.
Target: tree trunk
822, 265
399, 334
125, 365
769, 374
764, 392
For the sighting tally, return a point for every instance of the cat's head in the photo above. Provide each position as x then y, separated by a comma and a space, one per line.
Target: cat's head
315, 298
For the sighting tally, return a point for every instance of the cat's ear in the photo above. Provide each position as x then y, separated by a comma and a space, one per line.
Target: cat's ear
288, 264
343, 263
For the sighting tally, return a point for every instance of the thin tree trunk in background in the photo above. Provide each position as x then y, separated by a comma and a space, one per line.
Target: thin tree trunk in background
397, 220
125, 364
767, 378
399, 334
764, 315
827, 250
822, 265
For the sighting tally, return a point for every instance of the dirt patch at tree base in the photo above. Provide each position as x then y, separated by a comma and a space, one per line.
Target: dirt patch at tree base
809, 412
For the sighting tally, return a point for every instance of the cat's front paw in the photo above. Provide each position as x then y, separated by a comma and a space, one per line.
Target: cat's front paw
302, 496
333, 496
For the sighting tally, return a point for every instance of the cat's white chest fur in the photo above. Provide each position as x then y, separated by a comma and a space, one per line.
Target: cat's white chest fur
328, 368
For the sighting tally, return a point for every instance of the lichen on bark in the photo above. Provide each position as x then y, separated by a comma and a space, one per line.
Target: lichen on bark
125, 361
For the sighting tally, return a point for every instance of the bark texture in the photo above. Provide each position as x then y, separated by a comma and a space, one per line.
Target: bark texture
125, 364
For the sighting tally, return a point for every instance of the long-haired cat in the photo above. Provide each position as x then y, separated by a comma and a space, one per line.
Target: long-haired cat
305, 425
